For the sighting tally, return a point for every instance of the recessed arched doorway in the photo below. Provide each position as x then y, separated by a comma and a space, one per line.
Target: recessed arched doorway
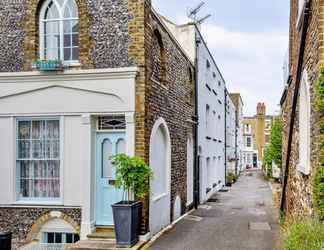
160, 162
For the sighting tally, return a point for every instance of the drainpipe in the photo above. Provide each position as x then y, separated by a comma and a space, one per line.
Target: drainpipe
225, 141
236, 147
196, 163
306, 15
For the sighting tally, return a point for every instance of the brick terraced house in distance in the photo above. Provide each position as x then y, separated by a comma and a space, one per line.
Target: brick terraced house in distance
301, 148
120, 83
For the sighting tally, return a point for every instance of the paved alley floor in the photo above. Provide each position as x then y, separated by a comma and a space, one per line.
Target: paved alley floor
242, 218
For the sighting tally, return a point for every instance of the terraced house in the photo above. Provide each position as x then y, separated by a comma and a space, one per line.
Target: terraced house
301, 145
82, 80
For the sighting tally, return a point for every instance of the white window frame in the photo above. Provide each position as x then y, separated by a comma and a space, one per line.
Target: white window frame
304, 159
32, 200
61, 22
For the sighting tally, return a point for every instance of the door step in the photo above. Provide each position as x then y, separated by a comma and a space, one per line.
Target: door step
103, 233
93, 245
101, 236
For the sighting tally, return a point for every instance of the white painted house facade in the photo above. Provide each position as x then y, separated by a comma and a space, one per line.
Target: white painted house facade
231, 136
211, 109
56, 131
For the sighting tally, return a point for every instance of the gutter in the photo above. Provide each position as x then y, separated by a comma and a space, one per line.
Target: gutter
306, 16
225, 141
196, 118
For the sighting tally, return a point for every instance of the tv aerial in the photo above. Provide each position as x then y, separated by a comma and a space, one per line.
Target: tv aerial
193, 14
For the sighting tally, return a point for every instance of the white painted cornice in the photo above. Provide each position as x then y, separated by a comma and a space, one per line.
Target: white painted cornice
69, 75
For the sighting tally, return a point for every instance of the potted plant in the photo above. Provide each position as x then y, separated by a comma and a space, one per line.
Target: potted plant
230, 179
132, 176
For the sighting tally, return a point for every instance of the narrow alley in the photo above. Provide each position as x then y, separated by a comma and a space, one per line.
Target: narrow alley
242, 218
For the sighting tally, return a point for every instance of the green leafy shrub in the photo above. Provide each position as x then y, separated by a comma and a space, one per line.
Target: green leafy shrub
318, 181
132, 175
304, 234
273, 151
318, 192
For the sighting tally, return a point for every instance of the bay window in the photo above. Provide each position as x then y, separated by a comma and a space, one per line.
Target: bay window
38, 159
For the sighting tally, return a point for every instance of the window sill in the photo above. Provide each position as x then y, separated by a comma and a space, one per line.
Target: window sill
39, 203
72, 65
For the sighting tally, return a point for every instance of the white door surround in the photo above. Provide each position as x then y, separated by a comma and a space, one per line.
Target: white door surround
160, 184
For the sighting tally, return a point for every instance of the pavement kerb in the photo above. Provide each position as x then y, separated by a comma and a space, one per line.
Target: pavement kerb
149, 243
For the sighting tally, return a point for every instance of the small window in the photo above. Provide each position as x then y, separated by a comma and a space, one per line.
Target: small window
207, 64
60, 238
248, 141
59, 31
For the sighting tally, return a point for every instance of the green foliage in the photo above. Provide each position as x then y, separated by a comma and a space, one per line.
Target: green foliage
231, 178
276, 141
267, 158
282, 218
132, 175
318, 181
273, 152
318, 192
304, 234
320, 92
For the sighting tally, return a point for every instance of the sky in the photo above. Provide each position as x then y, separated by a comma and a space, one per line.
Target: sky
248, 39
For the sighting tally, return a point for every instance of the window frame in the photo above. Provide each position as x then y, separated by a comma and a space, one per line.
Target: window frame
34, 200
248, 139
44, 237
42, 20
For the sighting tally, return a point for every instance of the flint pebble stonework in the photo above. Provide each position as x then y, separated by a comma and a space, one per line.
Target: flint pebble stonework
299, 187
20, 221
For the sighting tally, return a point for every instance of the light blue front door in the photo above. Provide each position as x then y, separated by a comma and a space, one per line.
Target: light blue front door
108, 144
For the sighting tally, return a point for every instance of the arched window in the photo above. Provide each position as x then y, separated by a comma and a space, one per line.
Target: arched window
304, 126
158, 58
59, 31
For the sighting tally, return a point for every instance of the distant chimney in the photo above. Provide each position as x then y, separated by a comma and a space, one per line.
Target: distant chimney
261, 109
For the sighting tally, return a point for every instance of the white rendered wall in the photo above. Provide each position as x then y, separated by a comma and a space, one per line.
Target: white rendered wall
76, 97
214, 146
212, 141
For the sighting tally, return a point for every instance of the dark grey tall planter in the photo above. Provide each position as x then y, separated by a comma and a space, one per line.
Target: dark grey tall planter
127, 219
5, 241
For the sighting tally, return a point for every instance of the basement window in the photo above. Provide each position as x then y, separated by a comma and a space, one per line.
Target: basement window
60, 238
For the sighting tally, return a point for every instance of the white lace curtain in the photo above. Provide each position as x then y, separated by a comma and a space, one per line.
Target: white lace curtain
38, 160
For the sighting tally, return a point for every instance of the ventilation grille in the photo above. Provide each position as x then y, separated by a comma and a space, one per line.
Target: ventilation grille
114, 122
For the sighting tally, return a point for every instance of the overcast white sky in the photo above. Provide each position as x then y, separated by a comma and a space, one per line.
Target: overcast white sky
248, 38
